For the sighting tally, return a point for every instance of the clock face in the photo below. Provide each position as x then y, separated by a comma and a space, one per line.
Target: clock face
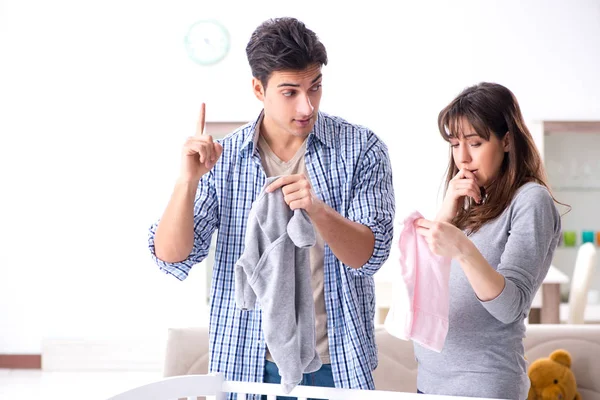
207, 42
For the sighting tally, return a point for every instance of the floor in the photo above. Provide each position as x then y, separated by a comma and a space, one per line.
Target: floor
26, 384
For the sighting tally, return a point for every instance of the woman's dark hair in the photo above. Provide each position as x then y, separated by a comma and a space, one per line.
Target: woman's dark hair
492, 109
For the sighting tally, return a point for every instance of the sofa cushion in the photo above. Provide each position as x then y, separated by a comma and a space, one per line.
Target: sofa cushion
187, 353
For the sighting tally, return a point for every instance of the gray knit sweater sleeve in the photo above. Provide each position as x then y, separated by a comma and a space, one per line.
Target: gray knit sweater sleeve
533, 233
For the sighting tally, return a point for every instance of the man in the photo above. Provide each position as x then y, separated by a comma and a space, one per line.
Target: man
337, 172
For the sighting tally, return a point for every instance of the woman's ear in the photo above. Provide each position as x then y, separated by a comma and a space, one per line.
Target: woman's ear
506, 141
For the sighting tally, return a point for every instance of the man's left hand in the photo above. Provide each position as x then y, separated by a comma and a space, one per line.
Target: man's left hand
298, 193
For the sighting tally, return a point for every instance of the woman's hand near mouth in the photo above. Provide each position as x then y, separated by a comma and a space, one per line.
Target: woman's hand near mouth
463, 184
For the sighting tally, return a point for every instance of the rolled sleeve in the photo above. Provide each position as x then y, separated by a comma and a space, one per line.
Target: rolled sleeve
205, 222
373, 204
509, 305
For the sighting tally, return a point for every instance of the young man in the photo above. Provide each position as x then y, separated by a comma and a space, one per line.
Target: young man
337, 172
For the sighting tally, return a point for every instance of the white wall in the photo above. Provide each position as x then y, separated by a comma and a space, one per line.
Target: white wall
96, 98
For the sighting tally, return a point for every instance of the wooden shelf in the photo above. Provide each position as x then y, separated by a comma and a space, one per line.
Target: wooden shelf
551, 127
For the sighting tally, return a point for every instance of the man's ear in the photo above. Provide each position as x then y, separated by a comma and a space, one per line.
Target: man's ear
506, 141
258, 88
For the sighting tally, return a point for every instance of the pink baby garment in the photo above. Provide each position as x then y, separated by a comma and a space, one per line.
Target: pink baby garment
420, 298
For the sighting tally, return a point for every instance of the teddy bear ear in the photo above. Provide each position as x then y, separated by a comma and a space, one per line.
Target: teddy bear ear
561, 356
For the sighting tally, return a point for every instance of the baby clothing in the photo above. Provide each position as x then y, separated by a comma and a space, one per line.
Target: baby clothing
275, 270
421, 297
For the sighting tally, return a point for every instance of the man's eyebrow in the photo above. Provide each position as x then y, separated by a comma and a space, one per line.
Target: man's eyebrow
297, 85
288, 84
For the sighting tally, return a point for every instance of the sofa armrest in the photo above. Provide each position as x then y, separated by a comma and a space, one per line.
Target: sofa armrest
187, 351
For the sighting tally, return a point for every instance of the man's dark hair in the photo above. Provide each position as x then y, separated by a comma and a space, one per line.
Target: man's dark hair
283, 44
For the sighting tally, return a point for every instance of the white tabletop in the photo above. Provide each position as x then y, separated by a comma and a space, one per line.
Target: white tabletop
555, 276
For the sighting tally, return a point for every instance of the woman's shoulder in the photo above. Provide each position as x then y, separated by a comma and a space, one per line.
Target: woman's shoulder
534, 207
532, 191
533, 195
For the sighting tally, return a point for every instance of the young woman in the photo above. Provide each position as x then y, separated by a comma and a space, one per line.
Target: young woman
500, 226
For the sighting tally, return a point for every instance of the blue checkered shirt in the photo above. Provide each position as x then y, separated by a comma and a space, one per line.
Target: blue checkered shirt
349, 169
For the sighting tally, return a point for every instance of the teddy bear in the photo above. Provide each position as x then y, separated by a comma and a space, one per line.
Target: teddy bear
552, 378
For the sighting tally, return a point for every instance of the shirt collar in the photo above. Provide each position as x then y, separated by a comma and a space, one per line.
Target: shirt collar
319, 132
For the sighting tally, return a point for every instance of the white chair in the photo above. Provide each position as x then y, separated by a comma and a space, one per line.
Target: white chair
214, 387
580, 284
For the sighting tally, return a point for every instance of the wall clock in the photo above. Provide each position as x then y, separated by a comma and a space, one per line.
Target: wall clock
207, 42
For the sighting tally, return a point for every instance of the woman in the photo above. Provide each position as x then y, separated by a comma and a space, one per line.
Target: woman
499, 224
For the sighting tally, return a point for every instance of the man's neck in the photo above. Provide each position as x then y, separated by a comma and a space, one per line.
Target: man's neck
284, 145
